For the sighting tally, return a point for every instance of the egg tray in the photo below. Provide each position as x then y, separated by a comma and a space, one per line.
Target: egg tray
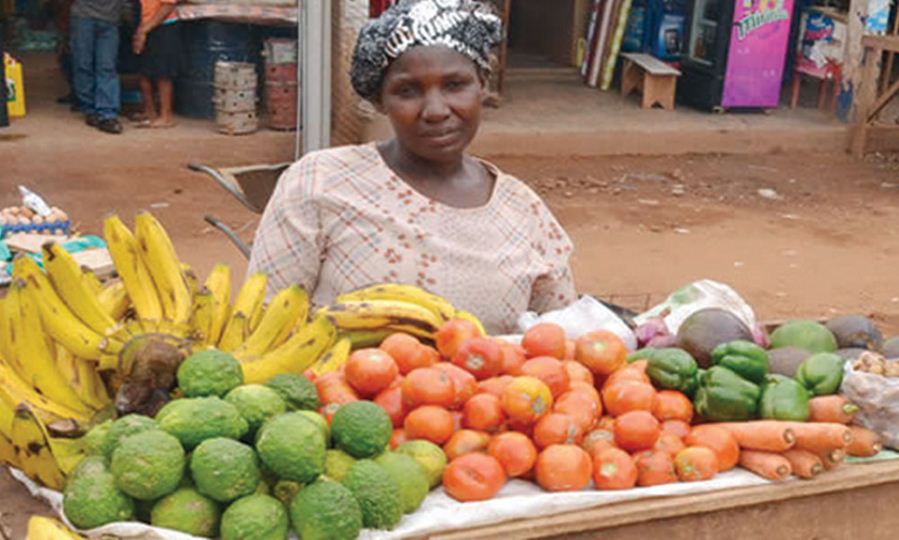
54, 227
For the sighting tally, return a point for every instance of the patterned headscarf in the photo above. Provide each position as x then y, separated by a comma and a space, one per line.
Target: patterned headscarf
466, 26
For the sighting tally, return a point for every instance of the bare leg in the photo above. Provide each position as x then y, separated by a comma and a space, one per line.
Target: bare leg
165, 87
146, 90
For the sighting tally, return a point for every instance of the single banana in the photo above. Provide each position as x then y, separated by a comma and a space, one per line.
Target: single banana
201, 317
363, 339
82, 376
193, 283
14, 390
295, 355
67, 280
287, 308
59, 321
235, 334
249, 301
35, 359
131, 269
91, 280
219, 284
334, 359
34, 450
44, 528
436, 304
7, 450
468, 316
157, 251
114, 299
384, 315
5, 333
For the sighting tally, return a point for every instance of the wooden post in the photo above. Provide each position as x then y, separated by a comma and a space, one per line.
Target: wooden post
852, 72
867, 95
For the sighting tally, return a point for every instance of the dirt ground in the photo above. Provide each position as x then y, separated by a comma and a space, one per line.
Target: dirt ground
798, 235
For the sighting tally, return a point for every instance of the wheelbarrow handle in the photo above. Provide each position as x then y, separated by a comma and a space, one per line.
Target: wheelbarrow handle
225, 184
229, 232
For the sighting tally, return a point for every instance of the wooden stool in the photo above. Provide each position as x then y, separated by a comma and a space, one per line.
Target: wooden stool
655, 80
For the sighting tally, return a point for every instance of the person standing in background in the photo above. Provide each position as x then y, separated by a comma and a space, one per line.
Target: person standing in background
158, 42
95, 46
63, 13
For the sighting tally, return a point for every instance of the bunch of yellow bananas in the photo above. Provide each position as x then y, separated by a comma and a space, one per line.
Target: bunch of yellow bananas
65, 337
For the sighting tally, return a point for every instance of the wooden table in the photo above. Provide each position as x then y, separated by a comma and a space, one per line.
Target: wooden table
854, 501
869, 104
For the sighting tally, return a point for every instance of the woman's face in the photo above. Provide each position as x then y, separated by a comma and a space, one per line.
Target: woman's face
433, 96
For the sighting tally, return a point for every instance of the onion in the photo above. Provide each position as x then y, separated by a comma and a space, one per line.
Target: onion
652, 328
760, 336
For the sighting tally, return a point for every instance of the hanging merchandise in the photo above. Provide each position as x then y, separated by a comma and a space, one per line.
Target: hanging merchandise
15, 87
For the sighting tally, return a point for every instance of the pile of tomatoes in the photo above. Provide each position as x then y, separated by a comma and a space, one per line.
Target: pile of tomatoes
557, 412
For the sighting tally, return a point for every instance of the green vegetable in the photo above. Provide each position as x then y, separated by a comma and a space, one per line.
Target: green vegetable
784, 399
724, 396
361, 429
187, 511
255, 517
821, 373
148, 465
292, 447
209, 373
744, 358
640, 354
376, 492
672, 369
91, 498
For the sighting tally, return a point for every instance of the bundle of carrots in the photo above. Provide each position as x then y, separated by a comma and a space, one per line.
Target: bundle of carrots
776, 449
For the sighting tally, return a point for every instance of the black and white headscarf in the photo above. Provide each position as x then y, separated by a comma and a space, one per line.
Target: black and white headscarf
466, 26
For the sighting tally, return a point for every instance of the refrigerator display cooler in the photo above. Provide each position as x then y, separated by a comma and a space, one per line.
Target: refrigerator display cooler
735, 54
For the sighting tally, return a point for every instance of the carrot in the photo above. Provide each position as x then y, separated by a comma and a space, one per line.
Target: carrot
820, 437
766, 464
763, 435
805, 464
835, 408
865, 443
832, 458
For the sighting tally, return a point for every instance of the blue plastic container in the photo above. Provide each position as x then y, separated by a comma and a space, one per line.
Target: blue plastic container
206, 42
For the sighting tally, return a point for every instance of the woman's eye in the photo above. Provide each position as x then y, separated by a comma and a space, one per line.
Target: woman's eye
455, 84
406, 91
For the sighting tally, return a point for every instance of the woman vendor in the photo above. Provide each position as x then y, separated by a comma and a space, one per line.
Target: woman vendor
417, 208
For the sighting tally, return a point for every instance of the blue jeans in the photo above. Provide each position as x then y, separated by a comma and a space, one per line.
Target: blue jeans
95, 48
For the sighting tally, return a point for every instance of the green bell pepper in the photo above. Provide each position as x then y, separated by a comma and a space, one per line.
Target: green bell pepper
821, 373
724, 396
744, 358
640, 354
784, 399
672, 369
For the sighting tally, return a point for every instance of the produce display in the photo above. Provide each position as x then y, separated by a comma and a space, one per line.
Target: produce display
156, 398
24, 219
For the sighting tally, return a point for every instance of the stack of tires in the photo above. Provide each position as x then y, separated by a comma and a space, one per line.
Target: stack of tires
235, 98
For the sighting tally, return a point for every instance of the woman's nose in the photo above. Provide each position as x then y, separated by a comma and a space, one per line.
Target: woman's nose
435, 108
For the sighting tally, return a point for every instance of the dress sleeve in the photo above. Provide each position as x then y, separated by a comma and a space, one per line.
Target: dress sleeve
289, 241
554, 287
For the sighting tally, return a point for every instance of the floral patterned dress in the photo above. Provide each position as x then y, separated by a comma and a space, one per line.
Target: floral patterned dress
341, 219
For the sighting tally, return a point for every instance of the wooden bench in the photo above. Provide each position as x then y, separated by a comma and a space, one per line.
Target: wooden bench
654, 79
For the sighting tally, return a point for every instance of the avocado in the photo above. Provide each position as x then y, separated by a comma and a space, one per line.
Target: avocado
337, 463
377, 494
131, 424
91, 498
148, 465
362, 429
409, 476
297, 391
209, 373
256, 404
326, 510
255, 517
292, 446
188, 511
193, 420
224, 469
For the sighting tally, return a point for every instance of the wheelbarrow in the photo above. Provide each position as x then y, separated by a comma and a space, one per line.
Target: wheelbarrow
253, 186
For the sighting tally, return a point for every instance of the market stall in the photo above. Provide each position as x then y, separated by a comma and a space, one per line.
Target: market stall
394, 407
